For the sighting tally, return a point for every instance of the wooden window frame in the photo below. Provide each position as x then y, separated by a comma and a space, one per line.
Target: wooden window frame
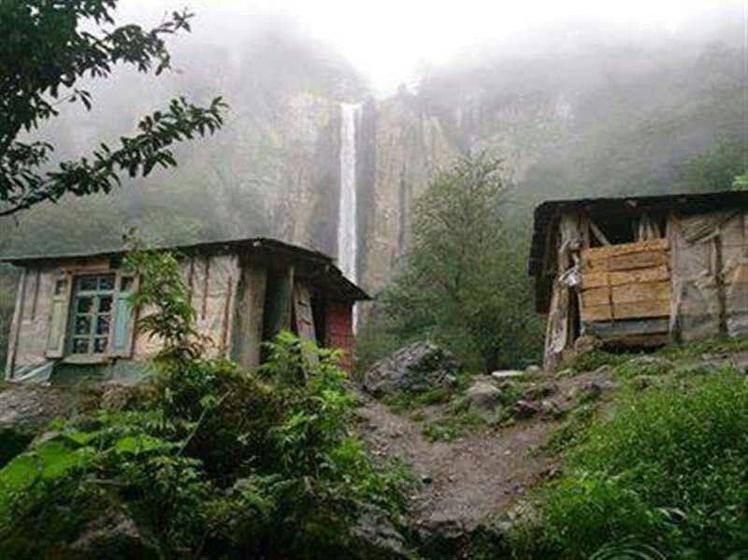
108, 355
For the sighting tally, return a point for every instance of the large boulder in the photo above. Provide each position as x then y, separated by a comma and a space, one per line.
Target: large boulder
416, 367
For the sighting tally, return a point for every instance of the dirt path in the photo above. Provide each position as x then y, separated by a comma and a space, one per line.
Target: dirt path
465, 480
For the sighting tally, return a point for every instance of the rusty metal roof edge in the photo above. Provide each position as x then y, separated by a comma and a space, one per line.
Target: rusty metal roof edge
251, 242
545, 212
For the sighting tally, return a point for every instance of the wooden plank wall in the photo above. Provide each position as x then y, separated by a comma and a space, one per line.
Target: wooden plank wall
627, 281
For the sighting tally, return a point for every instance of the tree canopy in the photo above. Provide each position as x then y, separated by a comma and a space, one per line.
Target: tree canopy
48, 52
463, 282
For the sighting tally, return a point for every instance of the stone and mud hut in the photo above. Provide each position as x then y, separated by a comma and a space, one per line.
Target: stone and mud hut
640, 271
73, 316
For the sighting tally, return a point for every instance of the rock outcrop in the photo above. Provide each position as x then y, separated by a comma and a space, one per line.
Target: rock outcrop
414, 368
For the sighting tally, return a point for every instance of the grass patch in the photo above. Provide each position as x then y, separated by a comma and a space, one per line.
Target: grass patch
407, 402
591, 361
666, 472
695, 350
652, 366
453, 425
574, 430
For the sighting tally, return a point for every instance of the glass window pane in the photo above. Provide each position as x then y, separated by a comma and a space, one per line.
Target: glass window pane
87, 283
106, 282
102, 324
82, 324
84, 304
80, 346
126, 283
105, 304
100, 345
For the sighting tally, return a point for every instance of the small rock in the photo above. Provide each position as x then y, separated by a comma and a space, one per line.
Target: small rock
587, 343
378, 537
642, 382
550, 472
604, 369
533, 370
592, 390
112, 535
540, 391
550, 409
483, 395
525, 409
507, 374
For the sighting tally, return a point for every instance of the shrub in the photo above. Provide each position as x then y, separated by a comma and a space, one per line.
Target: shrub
208, 461
668, 471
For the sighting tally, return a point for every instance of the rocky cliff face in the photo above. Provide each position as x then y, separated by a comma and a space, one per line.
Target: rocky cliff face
577, 124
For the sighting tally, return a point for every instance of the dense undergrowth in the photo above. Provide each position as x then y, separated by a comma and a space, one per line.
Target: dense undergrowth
204, 461
208, 461
662, 476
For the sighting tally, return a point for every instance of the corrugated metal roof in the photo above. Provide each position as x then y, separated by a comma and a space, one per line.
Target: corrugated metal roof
547, 214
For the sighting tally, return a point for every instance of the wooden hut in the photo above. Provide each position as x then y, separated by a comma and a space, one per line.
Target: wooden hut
73, 316
641, 271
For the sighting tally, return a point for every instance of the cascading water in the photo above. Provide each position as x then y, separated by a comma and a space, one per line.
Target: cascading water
347, 222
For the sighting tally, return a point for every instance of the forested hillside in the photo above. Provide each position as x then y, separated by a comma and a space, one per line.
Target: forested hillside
587, 116
581, 116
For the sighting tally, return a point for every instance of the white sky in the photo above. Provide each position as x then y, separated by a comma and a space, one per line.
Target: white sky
387, 40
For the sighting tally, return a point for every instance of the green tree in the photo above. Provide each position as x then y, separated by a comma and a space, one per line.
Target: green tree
463, 281
48, 48
720, 168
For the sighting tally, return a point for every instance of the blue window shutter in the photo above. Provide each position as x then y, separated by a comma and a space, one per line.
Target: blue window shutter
122, 330
58, 316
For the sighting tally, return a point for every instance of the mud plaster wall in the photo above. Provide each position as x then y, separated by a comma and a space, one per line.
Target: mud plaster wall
213, 284
32, 316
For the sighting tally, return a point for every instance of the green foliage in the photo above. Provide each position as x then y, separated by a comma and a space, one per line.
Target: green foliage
667, 472
162, 290
699, 348
208, 461
719, 168
12, 443
48, 49
590, 361
463, 282
457, 421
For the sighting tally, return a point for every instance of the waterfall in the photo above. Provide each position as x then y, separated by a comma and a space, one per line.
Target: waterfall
347, 221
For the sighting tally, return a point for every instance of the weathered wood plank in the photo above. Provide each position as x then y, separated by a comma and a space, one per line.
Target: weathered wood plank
596, 296
609, 330
246, 341
633, 310
642, 309
618, 278
592, 313
628, 262
304, 318
643, 291
603, 253
643, 340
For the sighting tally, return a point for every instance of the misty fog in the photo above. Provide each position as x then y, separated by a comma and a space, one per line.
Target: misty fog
580, 100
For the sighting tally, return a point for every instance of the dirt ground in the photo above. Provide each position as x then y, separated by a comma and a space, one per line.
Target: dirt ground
475, 476
464, 480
